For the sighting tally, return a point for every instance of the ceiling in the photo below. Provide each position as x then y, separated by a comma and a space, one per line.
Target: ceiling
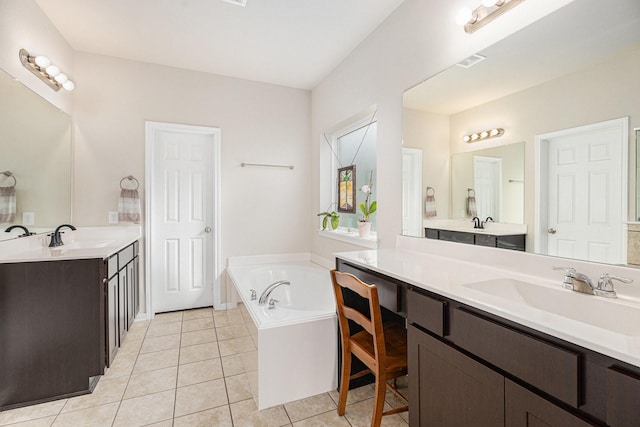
293, 43
574, 37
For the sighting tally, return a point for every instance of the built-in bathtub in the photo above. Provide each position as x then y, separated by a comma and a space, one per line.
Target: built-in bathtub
297, 339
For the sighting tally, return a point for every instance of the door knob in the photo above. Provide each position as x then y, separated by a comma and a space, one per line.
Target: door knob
551, 231
207, 229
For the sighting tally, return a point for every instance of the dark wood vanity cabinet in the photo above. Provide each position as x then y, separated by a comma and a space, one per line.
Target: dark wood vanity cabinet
515, 242
544, 381
469, 367
122, 299
51, 329
447, 388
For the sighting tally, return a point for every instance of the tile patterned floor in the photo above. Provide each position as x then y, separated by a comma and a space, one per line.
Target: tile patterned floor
190, 369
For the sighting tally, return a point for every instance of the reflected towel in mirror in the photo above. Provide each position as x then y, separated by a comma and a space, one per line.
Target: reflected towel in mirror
7, 205
472, 210
430, 203
129, 206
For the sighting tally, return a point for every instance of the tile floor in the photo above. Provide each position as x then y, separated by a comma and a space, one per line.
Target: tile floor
190, 369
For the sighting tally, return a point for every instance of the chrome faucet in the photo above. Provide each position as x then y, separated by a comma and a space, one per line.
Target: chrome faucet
56, 239
605, 287
270, 288
25, 229
576, 281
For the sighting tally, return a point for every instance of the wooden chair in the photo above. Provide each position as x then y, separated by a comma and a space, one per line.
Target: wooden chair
381, 347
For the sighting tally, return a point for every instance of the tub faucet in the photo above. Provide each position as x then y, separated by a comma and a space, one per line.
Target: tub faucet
56, 239
25, 229
270, 288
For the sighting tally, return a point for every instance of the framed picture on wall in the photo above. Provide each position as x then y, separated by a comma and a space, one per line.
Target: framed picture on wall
347, 189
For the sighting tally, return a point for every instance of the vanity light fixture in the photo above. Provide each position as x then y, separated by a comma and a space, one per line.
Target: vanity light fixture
485, 134
483, 14
42, 67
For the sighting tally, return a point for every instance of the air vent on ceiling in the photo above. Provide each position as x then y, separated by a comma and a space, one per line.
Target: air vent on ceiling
471, 61
242, 3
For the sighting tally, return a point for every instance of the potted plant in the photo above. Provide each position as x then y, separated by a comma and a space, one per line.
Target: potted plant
366, 208
330, 218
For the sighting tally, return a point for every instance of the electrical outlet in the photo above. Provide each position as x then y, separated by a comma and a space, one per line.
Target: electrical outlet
113, 217
28, 218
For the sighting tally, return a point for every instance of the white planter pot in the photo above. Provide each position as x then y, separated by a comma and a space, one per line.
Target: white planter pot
364, 228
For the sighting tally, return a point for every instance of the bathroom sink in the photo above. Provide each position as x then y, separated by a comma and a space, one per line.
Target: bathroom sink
88, 244
615, 316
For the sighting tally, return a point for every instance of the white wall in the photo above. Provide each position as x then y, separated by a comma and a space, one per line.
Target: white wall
418, 40
24, 26
430, 133
262, 209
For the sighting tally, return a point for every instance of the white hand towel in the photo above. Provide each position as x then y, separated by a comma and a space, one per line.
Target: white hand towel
129, 206
7, 205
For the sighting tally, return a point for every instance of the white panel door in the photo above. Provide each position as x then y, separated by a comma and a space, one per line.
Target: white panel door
487, 181
412, 192
182, 219
584, 195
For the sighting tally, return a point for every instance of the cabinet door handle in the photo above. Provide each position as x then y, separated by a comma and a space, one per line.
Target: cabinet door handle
551, 231
207, 229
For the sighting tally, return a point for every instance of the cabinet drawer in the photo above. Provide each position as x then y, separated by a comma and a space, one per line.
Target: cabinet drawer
548, 367
623, 398
455, 236
112, 266
511, 242
125, 256
485, 240
426, 312
430, 233
387, 291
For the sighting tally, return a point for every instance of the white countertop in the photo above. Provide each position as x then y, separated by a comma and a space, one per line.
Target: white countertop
86, 242
466, 226
450, 277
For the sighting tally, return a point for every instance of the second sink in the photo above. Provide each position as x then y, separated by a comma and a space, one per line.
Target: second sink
615, 316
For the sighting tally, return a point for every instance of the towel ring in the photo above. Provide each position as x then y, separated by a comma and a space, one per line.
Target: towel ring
9, 174
471, 192
433, 192
130, 178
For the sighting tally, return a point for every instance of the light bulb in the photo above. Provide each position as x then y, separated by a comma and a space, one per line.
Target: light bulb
484, 134
466, 138
42, 61
52, 70
489, 3
464, 16
68, 85
61, 78
494, 132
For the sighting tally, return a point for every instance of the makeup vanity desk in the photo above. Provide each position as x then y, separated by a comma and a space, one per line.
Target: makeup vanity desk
490, 362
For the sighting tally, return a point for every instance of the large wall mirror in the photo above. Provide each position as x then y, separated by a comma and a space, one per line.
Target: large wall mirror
35, 147
565, 91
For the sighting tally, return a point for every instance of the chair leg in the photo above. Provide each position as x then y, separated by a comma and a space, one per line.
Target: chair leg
378, 404
344, 382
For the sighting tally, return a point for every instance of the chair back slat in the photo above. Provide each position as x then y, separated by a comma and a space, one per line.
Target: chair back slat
359, 318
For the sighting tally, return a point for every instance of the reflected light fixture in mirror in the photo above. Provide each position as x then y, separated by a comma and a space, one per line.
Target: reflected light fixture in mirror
482, 135
42, 67
489, 10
